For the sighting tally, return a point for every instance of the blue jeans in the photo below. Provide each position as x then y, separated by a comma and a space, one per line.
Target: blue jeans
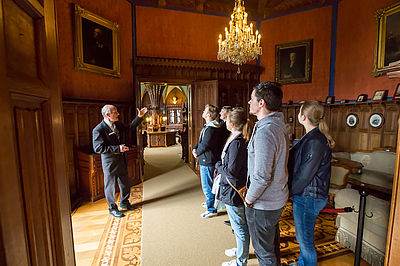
206, 174
305, 212
237, 217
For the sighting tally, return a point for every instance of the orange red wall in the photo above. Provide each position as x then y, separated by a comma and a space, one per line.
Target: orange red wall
312, 24
178, 34
355, 50
356, 38
188, 35
86, 85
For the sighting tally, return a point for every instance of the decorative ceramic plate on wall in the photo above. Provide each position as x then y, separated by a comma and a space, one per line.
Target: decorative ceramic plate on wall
376, 120
352, 120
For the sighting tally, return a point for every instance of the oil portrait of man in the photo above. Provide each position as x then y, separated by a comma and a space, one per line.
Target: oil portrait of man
293, 62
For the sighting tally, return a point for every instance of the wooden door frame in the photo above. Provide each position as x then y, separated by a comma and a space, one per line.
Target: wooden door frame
12, 221
393, 237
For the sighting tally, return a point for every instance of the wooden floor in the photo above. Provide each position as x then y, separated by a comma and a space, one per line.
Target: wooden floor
89, 222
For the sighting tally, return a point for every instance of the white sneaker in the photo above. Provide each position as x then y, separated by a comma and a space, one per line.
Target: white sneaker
231, 252
229, 263
208, 214
204, 205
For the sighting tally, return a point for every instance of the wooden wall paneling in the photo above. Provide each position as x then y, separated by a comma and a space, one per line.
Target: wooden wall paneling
376, 134
363, 126
342, 128
71, 135
39, 217
362, 137
299, 129
391, 124
12, 221
291, 114
94, 117
353, 132
2, 251
83, 126
34, 179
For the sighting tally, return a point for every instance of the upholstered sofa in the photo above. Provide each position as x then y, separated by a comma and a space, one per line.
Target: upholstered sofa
378, 171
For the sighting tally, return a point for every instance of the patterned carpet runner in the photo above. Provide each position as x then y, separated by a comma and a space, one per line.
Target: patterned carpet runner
324, 237
121, 243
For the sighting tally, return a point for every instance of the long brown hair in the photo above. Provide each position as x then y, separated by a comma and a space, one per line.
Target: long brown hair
238, 117
315, 112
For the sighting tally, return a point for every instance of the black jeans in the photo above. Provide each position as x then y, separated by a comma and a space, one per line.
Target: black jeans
264, 234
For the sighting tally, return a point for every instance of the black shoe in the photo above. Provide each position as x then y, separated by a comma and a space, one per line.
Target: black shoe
127, 206
115, 212
227, 222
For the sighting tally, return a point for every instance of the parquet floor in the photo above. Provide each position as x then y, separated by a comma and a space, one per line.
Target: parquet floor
88, 223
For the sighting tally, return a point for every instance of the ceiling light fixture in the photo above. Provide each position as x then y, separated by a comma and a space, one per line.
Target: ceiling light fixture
241, 44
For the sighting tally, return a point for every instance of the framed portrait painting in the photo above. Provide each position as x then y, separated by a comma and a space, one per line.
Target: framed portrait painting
380, 95
362, 98
388, 39
293, 62
96, 44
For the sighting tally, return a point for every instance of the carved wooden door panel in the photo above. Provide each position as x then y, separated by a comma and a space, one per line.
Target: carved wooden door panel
204, 92
35, 213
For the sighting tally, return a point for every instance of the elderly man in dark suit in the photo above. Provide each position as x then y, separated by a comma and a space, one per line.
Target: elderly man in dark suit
109, 141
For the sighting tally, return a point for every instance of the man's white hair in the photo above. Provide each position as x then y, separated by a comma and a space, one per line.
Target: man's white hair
106, 110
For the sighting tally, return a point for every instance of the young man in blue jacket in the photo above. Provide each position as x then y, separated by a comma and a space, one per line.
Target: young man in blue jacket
207, 152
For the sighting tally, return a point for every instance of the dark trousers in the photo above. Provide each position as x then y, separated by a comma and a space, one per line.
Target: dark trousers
109, 188
264, 234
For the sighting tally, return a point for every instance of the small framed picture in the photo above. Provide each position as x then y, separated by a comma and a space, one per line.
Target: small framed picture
343, 101
380, 95
330, 100
376, 120
362, 98
396, 95
352, 120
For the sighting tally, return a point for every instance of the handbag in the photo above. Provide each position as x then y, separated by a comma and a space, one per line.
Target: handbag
242, 192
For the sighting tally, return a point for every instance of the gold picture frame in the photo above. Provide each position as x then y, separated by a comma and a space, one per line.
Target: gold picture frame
293, 62
96, 44
388, 35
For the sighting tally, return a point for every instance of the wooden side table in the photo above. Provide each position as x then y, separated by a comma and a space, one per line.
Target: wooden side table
91, 178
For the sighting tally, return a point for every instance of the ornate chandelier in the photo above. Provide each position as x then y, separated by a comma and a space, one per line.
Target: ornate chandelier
240, 44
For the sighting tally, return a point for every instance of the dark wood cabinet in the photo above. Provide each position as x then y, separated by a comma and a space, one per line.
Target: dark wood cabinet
161, 139
91, 178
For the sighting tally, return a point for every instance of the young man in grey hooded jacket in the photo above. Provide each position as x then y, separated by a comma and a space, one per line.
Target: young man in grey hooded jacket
267, 172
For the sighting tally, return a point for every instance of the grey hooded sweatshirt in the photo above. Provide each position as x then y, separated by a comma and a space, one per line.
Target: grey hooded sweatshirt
267, 173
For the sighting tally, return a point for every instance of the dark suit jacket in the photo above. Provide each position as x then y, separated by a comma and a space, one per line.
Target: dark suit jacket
106, 142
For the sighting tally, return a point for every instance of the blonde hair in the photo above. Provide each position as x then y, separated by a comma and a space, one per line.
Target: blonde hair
238, 117
212, 110
315, 112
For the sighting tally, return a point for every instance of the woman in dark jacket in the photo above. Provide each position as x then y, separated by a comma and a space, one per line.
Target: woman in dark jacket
233, 169
310, 173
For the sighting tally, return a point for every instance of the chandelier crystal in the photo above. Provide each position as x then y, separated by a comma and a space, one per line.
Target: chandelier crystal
240, 45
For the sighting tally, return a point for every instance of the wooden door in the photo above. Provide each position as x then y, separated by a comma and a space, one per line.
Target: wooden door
35, 215
392, 256
203, 92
